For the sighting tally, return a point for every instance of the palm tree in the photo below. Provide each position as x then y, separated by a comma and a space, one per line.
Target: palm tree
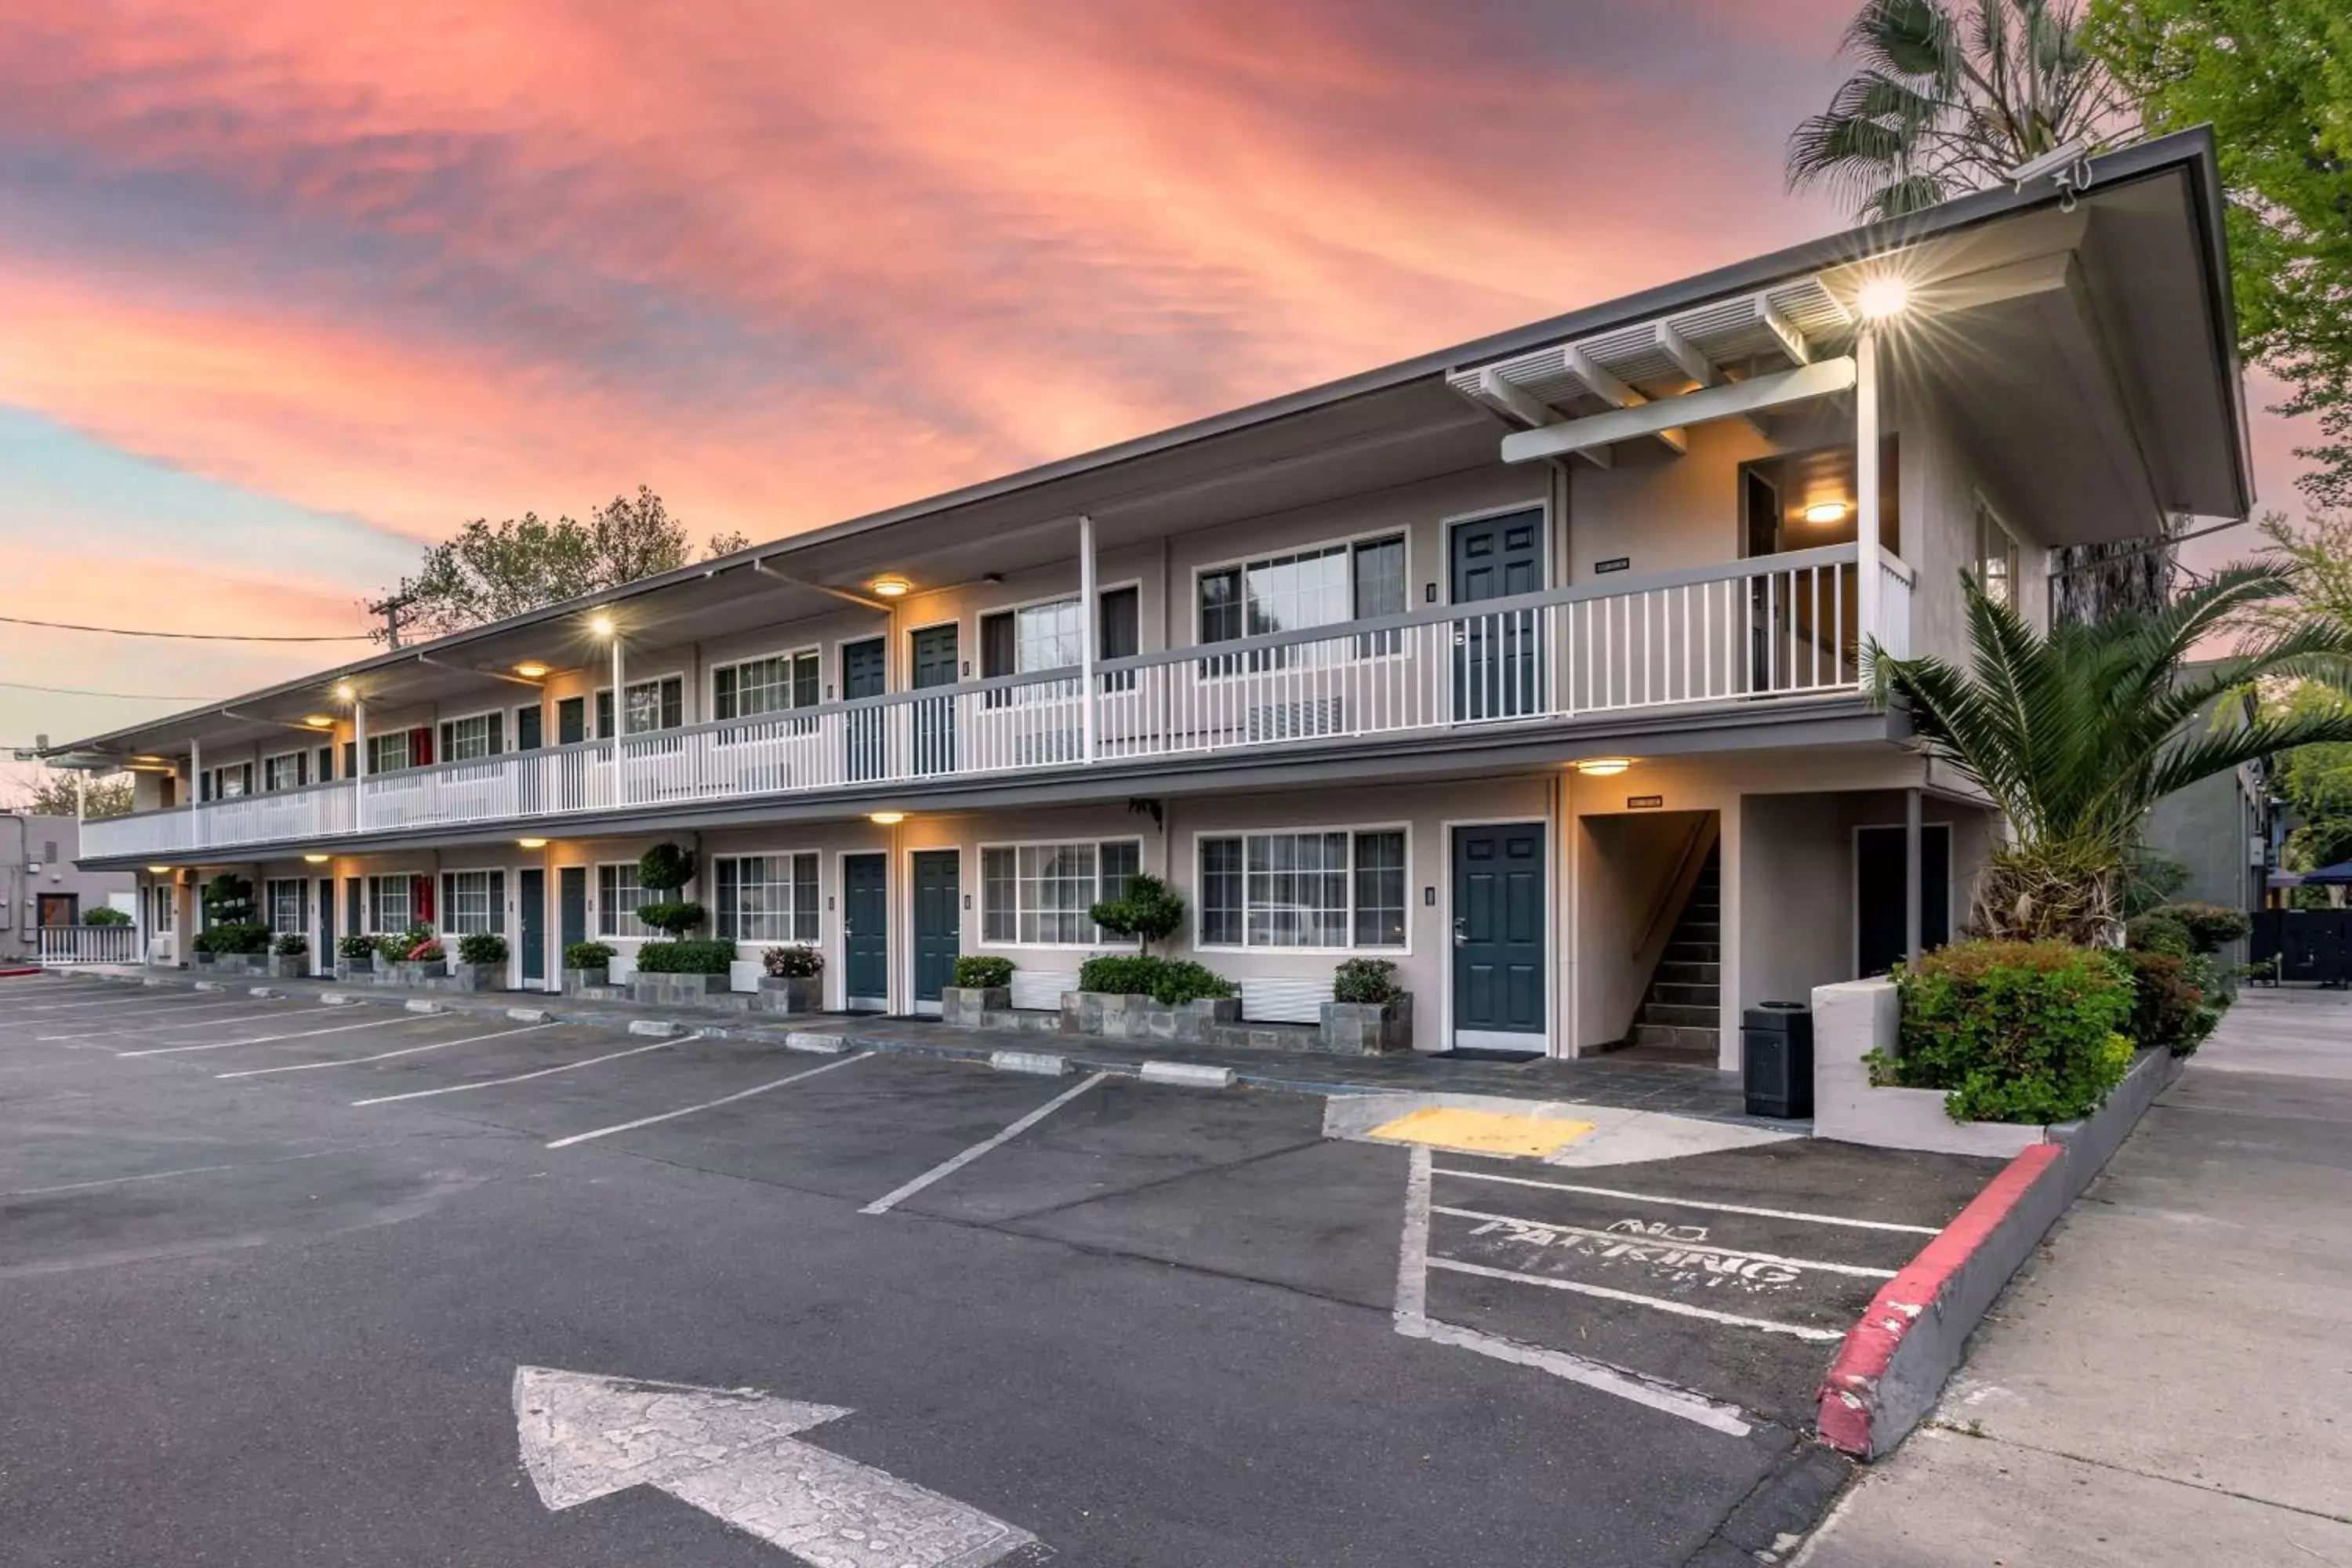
2074, 734
1950, 97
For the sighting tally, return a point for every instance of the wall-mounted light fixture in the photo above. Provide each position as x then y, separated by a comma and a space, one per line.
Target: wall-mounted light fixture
1826, 511
1603, 767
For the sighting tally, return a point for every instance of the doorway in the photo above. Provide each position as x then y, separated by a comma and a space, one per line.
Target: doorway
934, 664
531, 925
571, 907
1881, 888
938, 897
60, 909
1498, 936
1498, 655
865, 673
866, 932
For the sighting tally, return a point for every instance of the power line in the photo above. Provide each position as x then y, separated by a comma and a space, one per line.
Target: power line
182, 637
79, 692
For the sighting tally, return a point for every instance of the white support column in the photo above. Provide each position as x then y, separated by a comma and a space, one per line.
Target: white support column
1089, 632
358, 764
82, 797
1912, 859
1865, 484
196, 792
620, 715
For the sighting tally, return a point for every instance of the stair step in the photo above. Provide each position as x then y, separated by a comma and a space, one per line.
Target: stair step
1688, 972
1694, 994
1679, 951
1686, 1034
1701, 1016
1699, 930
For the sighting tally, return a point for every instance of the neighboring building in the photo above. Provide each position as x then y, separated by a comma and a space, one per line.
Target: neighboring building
2220, 828
1480, 662
43, 886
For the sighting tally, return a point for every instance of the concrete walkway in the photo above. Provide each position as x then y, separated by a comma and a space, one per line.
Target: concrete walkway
2170, 1381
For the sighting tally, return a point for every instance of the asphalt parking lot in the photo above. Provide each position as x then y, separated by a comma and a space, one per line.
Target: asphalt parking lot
287, 1282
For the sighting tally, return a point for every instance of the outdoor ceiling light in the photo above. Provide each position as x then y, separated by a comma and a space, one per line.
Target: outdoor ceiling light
160, 871
885, 818
1881, 296
315, 860
600, 624
530, 669
530, 843
891, 587
318, 721
1604, 767
1825, 512
346, 692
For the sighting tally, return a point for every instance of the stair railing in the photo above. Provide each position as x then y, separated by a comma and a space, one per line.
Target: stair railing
1677, 888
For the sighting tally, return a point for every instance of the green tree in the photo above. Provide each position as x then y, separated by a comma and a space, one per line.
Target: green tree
1949, 98
2074, 734
2274, 77
51, 794
491, 570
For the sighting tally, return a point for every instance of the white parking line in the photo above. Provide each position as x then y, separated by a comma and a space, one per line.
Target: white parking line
379, 1056
885, 1204
1713, 1415
175, 1014
121, 999
265, 1039
527, 1076
1697, 1204
1679, 1308
1620, 1238
708, 1104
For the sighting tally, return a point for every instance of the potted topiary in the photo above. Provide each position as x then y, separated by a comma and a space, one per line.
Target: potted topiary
1135, 996
1368, 1011
983, 985
231, 937
410, 958
794, 981
289, 957
354, 953
672, 973
482, 962
1147, 909
587, 965
664, 870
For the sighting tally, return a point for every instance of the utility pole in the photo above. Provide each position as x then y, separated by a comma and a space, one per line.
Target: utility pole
390, 608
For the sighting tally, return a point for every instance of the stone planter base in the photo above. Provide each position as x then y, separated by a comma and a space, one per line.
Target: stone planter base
256, 964
676, 990
295, 968
968, 1006
791, 993
471, 977
581, 981
412, 975
1112, 1017
1366, 1028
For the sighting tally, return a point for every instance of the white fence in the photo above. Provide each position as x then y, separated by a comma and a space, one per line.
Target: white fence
62, 945
1750, 631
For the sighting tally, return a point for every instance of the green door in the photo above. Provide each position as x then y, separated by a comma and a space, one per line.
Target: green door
531, 911
938, 897
1498, 936
865, 673
866, 931
935, 664
571, 895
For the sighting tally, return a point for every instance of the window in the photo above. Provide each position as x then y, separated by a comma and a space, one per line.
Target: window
166, 901
571, 720
284, 902
1038, 894
764, 685
477, 735
288, 770
469, 902
618, 897
326, 768
390, 903
1318, 587
388, 753
228, 782
765, 898
652, 705
1995, 564
1331, 888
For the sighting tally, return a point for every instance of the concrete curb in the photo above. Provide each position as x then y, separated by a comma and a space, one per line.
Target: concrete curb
1188, 1075
1046, 1064
1892, 1366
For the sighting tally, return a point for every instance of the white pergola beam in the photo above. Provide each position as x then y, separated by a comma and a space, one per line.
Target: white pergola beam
1792, 341
1605, 384
1517, 400
1685, 355
1731, 400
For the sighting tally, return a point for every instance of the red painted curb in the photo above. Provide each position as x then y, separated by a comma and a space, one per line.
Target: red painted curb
12, 973
1849, 1393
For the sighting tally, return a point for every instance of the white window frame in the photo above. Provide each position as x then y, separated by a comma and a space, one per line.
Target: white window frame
447, 904
1104, 941
452, 723
403, 734
792, 911
301, 759
1983, 515
368, 900
601, 924
686, 716
301, 886
165, 914
248, 775
1199, 903
1335, 628
788, 655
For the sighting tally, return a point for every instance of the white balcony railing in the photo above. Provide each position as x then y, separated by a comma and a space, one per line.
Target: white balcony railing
1752, 631
62, 945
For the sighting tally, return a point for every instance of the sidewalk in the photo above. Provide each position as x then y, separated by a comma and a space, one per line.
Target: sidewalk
2171, 1380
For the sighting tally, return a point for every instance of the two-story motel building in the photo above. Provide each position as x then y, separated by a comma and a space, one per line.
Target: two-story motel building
1479, 662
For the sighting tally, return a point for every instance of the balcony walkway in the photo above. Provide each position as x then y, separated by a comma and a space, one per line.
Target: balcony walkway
1611, 1080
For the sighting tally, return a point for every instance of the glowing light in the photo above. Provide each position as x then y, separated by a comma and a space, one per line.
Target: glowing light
315, 860
1604, 767
885, 818
346, 692
160, 871
1825, 512
318, 721
530, 669
531, 843
891, 587
1881, 296
600, 624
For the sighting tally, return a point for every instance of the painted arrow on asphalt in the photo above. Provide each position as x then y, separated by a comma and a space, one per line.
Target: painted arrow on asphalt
732, 1453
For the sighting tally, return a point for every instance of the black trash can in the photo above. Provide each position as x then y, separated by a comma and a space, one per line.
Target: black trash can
1777, 1060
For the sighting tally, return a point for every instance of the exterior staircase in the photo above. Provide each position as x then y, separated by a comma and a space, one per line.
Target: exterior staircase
1679, 1016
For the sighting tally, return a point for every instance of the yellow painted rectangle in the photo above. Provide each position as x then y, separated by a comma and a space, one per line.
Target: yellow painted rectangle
1483, 1132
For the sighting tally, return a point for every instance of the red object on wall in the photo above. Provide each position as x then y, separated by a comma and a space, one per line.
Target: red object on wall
420, 746
420, 898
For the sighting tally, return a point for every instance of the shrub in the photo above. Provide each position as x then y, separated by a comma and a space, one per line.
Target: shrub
587, 955
356, 947
974, 973
482, 947
1146, 910
676, 916
2169, 1008
227, 899
1369, 981
2210, 926
293, 944
798, 962
2013, 1031
429, 951
105, 915
665, 869
238, 936
2157, 932
400, 948
710, 956
1171, 982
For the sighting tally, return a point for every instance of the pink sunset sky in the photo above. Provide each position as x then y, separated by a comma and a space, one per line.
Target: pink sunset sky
287, 289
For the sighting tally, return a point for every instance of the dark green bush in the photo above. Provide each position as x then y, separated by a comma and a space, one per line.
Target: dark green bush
356, 947
2210, 926
587, 955
665, 869
2169, 1010
293, 944
2157, 932
105, 915
227, 901
1146, 910
1171, 982
1371, 980
234, 936
676, 916
797, 961
401, 947
482, 947
974, 973
709, 956
2013, 1031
